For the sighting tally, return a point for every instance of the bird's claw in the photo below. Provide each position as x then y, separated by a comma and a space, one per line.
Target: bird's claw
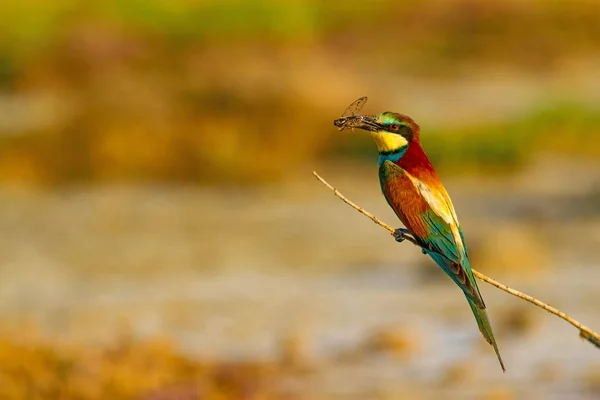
399, 234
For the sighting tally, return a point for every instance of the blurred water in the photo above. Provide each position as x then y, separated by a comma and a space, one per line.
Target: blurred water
237, 275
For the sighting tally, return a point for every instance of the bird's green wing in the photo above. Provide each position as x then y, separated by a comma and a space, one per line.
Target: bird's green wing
431, 219
429, 215
446, 255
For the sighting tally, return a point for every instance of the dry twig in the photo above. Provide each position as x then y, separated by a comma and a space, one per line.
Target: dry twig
584, 332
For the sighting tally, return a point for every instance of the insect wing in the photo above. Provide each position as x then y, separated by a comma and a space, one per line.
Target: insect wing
355, 107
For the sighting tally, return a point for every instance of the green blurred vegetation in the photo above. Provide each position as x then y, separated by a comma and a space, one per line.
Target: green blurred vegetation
230, 91
569, 129
564, 128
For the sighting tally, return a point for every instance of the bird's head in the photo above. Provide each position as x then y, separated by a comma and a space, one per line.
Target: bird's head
392, 132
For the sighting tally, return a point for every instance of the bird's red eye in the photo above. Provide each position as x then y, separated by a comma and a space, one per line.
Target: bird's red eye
394, 127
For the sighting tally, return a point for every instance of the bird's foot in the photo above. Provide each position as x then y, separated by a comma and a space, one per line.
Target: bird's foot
399, 234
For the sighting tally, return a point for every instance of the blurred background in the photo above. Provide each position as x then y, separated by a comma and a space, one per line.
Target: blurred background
162, 236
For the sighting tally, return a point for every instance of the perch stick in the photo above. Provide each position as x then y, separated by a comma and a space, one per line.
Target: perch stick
584, 332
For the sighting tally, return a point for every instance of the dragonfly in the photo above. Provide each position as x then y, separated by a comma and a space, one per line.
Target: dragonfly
350, 117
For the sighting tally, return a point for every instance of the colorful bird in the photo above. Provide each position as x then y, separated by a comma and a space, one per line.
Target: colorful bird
414, 191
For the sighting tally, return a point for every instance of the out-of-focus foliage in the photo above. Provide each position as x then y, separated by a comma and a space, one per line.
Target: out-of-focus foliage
562, 128
142, 370
246, 90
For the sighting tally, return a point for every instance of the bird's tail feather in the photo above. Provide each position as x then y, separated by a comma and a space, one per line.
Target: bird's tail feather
486, 328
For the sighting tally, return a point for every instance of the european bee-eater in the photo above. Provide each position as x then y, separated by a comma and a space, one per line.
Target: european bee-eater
414, 191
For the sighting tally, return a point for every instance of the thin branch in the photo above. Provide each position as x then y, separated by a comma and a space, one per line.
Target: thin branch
584, 332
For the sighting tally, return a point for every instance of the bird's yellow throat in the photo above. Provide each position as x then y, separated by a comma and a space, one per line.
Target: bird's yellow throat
388, 142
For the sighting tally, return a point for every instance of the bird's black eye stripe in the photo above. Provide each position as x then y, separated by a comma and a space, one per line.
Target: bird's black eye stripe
401, 129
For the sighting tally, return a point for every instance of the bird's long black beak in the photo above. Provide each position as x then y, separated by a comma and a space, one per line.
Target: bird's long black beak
367, 123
